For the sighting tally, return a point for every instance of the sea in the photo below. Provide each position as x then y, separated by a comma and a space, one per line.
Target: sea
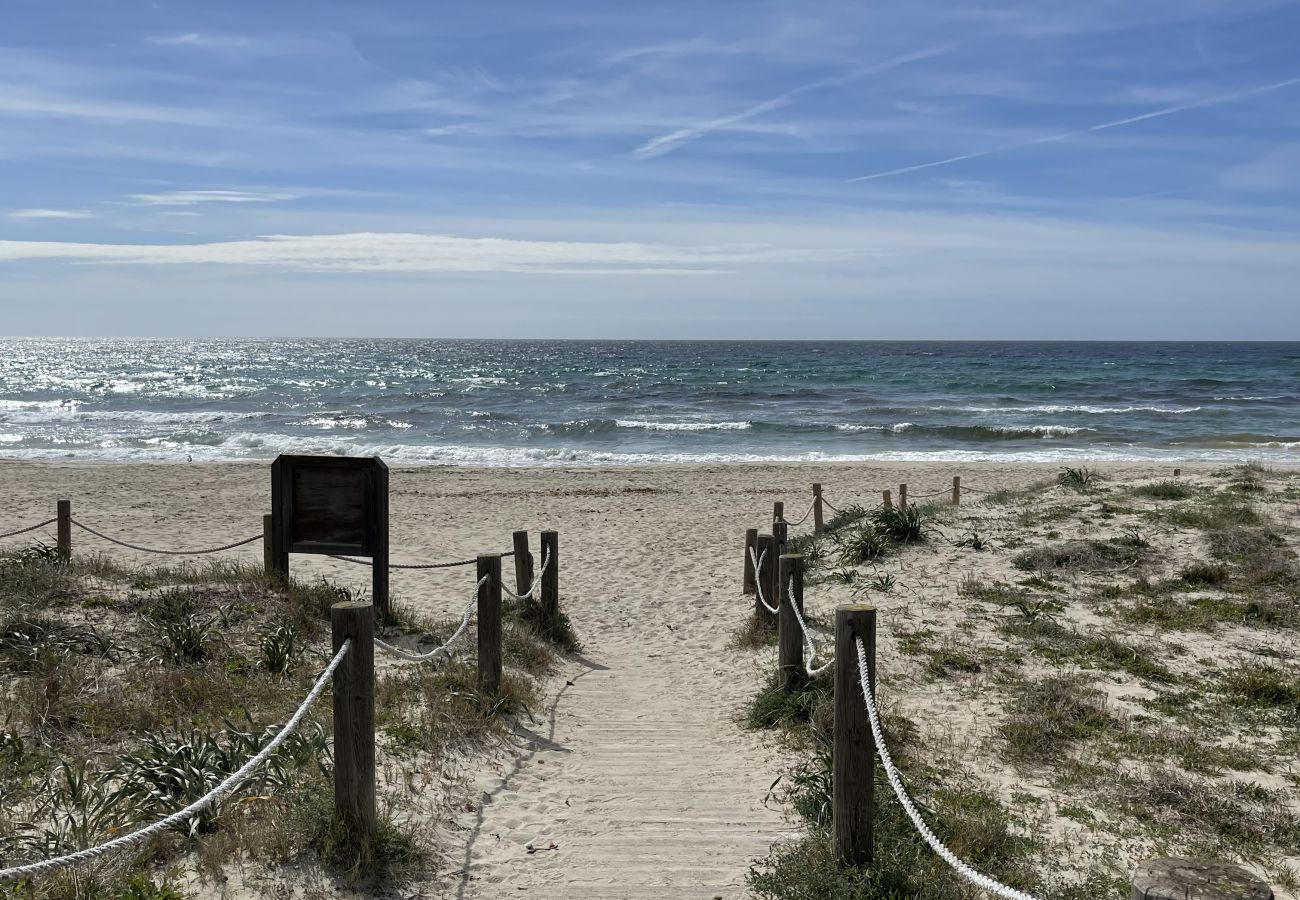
567, 403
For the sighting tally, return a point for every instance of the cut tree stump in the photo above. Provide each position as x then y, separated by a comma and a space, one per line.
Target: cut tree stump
1177, 878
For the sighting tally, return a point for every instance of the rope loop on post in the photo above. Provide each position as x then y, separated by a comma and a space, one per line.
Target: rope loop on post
895, 781
535, 588
758, 581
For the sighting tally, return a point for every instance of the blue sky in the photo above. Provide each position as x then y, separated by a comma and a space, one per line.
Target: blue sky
750, 170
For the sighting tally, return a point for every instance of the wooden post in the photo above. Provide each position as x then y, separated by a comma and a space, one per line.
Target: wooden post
956, 490
550, 550
780, 536
489, 624
902, 496
523, 563
789, 645
888, 504
778, 512
1177, 472
268, 544
64, 528
751, 541
817, 509
853, 764
766, 550
354, 718
1177, 878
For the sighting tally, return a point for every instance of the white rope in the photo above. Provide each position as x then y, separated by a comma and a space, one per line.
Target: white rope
807, 638
446, 647
965, 871
758, 580
9, 534
804, 517
531, 593
176, 818
111, 540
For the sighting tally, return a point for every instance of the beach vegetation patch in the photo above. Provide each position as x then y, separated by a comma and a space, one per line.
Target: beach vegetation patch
1164, 490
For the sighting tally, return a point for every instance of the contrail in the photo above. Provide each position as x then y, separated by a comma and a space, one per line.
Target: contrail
667, 143
1066, 135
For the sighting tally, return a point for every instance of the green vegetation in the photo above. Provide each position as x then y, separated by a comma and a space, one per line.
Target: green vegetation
132, 692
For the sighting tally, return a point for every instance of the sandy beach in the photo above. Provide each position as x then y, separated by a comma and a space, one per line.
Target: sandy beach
636, 770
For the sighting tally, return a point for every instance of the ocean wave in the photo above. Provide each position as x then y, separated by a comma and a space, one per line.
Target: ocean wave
252, 447
650, 425
973, 432
1079, 408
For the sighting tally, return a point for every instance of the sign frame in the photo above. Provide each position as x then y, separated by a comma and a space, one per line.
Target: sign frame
333, 506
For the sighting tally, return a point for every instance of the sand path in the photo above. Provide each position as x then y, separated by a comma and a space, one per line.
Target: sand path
636, 773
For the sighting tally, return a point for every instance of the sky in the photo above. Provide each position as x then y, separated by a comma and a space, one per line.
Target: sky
1021, 169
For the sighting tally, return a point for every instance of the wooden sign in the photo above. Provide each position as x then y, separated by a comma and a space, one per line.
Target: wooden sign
334, 505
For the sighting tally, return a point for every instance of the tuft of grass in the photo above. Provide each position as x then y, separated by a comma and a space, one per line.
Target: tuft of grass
903, 524
1082, 556
863, 542
1047, 718
1202, 574
1262, 685
1080, 479
773, 707
1164, 490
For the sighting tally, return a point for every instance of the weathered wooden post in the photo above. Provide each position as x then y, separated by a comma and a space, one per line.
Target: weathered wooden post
789, 644
751, 541
64, 528
778, 512
818, 522
1177, 472
902, 496
780, 537
489, 623
1177, 878
853, 763
956, 490
550, 549
354, 718
523, 562
766, 554
885, 501
268, 544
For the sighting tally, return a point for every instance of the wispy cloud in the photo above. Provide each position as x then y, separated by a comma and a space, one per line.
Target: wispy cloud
194, 198
1079, 132
389, 252
667, 143
52, 214
195, 39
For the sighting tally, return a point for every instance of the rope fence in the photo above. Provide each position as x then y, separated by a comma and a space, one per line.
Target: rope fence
29, 528
352, 671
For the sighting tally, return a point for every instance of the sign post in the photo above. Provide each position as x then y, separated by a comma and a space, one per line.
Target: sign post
332, 505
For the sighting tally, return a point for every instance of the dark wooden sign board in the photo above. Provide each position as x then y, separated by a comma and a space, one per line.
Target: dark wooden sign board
334, 505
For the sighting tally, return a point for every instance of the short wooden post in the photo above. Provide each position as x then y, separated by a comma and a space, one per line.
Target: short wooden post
780, 536
64, 528
1177, 472
766, 550
778, 512
489, 624
853, 763
818, 523
1179, 878
902, 496
789, 644
751, 541
268, 544
956, 490
354, 717
888, 504
523, 562
550, 599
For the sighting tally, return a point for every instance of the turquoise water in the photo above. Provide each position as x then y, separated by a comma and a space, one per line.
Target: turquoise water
560, 402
